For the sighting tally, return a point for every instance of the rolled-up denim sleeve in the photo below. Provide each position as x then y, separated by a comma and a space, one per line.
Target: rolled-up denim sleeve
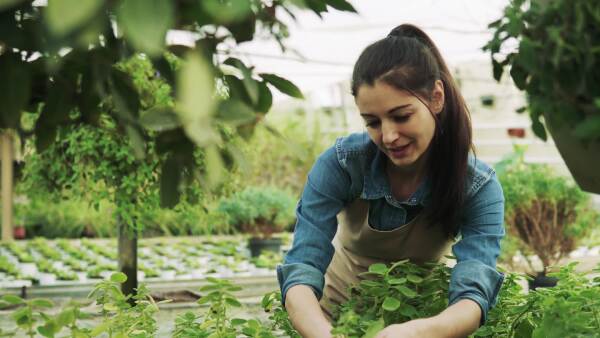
475, 276
325, 194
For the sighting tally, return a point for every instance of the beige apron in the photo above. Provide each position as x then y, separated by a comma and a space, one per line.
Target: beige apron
357, 246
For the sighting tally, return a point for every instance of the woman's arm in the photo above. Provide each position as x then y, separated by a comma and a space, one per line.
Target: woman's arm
305, 312
457, 321
325, 194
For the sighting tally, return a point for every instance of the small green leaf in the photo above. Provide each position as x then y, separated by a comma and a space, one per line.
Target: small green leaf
118, 277
233, 302
136, 142
538, 129
390, 304
341, 5
235, 112
378, 268
110, 307
519, 76
283, 85
160, 119
415, 279
374, 328
265, 98
49, 329
63, 16
214, 166
406, 291
65, 317
12, 299
236, 89
408, 310
250, 85
40, 302
103, 327
498, 69
196, 104
237, 321
146, 23
396, 281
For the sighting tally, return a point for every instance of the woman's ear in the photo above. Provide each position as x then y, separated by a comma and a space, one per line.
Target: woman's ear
437, 97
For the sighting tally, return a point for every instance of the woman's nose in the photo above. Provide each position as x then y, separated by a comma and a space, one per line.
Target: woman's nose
389, 133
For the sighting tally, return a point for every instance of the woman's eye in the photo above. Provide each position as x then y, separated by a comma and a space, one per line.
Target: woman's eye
372, 124
402, 118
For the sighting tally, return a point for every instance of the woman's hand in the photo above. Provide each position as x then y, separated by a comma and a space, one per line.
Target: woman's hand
416, 328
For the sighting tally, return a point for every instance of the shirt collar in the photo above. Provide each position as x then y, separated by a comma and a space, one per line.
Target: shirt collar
376, 184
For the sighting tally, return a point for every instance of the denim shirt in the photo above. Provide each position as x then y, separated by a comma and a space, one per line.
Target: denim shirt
354, 168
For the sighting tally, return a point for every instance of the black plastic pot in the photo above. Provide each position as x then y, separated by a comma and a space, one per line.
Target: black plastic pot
258, 245
542, 281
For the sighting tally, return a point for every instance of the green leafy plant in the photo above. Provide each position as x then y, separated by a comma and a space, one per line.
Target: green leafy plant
271, 303
267, 259
30, 313
388, 294
45, 265
45, 249
101, 250
216, 322
393, 294
8, 267
548, 213
66, 275
571, 309
556, 62
260, 211
20, 252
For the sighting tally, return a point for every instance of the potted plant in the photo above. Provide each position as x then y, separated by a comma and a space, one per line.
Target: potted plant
260, 212
557, 65
546, 213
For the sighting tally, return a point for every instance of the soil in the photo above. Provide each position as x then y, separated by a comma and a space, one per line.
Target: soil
180, 296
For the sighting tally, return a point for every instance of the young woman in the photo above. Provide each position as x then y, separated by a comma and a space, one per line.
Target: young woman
407, 188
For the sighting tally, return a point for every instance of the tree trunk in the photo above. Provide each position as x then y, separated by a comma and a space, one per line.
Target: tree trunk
7, 186
128, 259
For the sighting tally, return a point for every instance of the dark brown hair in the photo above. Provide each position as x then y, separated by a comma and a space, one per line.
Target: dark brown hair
408, 60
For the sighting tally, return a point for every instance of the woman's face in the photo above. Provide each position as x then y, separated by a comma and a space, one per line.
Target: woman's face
398, 122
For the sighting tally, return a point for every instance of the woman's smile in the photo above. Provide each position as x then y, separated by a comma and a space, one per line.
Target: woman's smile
399, 152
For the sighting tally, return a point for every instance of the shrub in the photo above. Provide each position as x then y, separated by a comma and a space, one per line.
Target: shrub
183, 220
71, 218
260, 211
548, 213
